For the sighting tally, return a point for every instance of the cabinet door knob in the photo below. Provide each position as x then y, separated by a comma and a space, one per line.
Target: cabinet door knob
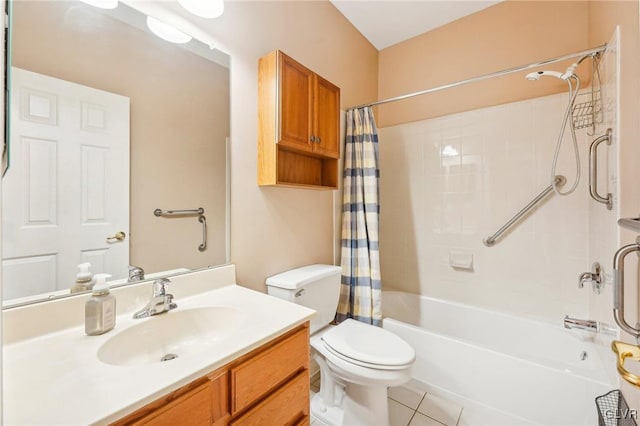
318, 139
312, 138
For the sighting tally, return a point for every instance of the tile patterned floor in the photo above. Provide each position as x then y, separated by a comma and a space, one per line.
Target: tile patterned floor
410, 405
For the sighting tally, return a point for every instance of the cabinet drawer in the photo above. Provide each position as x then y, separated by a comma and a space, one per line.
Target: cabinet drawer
260, 374
289, 405
193, 408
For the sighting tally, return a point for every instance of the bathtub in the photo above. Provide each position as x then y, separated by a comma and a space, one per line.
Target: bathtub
537, 372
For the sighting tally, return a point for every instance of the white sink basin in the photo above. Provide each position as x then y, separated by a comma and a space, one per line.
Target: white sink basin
170, 335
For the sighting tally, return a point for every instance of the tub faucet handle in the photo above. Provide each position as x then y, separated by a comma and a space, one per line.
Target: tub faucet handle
584, 277
595, 277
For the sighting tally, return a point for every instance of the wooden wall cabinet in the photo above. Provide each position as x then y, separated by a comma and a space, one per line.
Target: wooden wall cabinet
298, 125
269, 385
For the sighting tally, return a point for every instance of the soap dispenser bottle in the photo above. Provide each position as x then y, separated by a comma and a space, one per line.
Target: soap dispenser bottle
100, 310
84, 281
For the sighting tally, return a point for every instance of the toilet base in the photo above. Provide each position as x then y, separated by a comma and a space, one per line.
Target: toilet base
361, 406
365, 405
329, 415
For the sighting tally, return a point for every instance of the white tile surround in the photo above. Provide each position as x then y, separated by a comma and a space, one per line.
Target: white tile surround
446, 183
603, 243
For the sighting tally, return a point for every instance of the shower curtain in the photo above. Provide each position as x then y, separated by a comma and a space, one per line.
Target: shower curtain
360, 291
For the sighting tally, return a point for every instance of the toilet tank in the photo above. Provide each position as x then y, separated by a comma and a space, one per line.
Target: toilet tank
315, 286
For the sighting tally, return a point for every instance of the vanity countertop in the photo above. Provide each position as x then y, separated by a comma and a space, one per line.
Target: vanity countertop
57, 378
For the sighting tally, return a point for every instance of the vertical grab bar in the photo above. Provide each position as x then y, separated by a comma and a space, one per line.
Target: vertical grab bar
203, 221
181, 213
593, 170
618, 288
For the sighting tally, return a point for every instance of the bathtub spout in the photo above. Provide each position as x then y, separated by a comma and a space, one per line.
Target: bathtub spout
588, 325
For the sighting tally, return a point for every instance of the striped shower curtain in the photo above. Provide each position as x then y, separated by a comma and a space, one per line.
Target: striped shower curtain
360, 292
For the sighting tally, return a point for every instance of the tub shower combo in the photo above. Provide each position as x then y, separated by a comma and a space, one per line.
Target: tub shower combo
535, 372
532, 370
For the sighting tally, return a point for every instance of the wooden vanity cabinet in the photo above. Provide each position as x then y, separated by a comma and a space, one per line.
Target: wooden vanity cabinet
298, 125
269, 385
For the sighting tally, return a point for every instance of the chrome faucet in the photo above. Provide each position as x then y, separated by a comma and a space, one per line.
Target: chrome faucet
136, 273
580, 324
590, 325
160, 302
595, 277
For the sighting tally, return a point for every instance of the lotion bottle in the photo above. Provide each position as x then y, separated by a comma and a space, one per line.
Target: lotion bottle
100, 310
84, 280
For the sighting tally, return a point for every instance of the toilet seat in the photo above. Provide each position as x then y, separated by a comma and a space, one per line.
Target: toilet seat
368, 346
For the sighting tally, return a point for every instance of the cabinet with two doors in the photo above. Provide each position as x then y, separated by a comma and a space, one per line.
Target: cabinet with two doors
267, 386
298, 125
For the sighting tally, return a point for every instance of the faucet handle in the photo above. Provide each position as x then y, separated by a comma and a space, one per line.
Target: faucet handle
160, 287
170, 303
584, 278
136, 273
596, 277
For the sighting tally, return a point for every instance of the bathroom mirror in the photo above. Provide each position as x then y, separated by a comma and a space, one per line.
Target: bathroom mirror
109, 123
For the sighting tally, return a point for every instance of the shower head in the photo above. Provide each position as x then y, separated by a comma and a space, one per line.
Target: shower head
536, 75
567, 74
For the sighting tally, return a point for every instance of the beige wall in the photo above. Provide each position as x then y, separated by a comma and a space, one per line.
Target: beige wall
603, 18
274, 229
179, 121
509, 34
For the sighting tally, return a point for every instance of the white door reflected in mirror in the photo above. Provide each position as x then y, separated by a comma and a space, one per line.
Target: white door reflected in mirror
177, 153
68, 186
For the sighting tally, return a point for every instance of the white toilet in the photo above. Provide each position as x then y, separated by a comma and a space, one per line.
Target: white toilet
357, 361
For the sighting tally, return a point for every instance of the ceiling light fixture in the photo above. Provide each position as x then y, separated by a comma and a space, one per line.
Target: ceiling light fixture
167, 32
204, 8
102, 4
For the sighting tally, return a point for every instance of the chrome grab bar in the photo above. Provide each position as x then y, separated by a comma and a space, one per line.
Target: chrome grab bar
160, 212
593, 170
203, 221
490, 241
199, 211
618, 288
630, 223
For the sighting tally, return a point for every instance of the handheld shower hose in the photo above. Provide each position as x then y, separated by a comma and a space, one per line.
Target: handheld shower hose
573, 92
571, 78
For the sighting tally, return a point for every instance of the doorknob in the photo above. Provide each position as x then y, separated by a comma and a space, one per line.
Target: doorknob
120, 236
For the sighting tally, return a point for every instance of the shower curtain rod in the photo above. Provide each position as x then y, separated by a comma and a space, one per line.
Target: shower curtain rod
589, 52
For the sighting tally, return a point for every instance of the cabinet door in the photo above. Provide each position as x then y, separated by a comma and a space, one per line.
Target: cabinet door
296, 90
327, 118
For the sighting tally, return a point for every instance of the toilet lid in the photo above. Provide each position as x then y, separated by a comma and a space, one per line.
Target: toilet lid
368, 344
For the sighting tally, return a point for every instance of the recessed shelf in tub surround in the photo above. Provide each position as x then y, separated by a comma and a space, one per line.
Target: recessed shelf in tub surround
461, 260
47, 356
